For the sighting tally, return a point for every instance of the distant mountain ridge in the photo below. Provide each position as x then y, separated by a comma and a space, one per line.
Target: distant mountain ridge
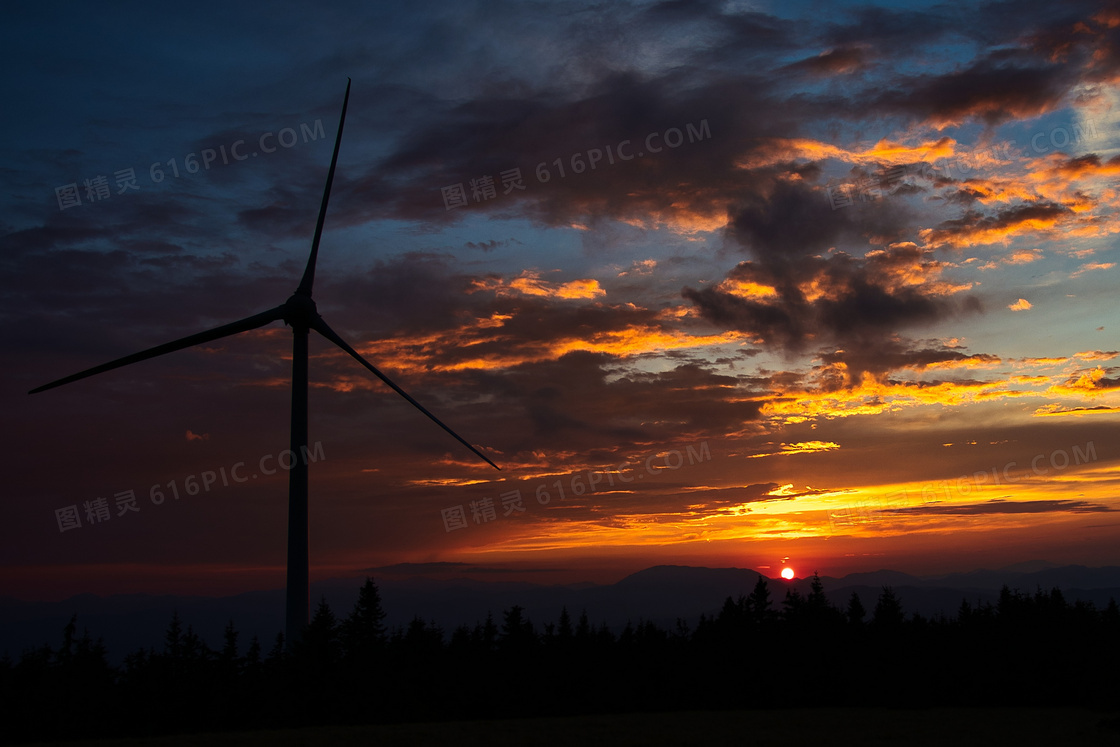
661, 594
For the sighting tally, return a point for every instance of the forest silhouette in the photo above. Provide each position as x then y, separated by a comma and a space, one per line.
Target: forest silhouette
756, 652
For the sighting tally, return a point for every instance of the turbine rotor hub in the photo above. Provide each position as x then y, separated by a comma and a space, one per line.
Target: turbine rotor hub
300, 310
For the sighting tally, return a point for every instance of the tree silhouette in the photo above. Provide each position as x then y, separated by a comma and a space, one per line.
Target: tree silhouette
583, 628
855, 612
888, 613
488, 634
758, 603
793, 606
564, 628
228, 655
517, 632
363, 634
813, 648
818, 611
173, 638
320, 644
278, 653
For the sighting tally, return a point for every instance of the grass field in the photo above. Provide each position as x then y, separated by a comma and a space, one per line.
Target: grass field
940, 727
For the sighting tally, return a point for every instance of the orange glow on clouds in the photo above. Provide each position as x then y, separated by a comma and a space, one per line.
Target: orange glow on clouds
747, 289
802, 447
529, 283
496, 351
778, 150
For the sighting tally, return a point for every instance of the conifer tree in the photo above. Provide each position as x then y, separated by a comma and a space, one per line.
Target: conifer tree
363, 632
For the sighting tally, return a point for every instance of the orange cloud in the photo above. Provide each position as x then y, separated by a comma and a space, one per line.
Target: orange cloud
780, 150
1109, 18
801, 447
997, 190
1092, 267
1090, 383
1024, 256
640, 267
747, 289
529, 283
904, 265
1082, 166
1021, 305
421, 353
1057, 410
1041, 361
974, 229
872, 396
1019, 257
828, 392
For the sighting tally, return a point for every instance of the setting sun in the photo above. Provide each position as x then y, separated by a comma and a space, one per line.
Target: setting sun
787, 573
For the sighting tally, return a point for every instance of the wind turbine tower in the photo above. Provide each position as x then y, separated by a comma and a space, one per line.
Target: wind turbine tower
299, 313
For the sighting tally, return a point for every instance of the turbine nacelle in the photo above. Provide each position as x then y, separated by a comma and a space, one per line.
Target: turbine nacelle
299, 311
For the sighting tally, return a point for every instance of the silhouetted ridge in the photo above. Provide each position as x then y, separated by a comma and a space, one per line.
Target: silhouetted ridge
779, 638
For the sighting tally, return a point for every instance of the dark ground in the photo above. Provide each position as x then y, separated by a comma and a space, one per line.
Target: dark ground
935, 727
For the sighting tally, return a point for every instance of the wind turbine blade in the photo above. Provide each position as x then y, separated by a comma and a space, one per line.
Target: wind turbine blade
309, 272
252, 322
324, 329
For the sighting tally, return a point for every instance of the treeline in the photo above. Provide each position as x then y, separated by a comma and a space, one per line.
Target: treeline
1027, 649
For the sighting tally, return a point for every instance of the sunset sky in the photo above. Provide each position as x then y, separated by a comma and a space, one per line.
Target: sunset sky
825, 284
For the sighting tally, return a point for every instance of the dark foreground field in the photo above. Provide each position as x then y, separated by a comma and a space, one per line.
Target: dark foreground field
936, 727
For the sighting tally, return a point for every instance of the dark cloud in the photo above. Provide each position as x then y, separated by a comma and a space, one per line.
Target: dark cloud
991, 91
756, 493
816, 293
840, 61
839, 300
1088, 163
490, 245
410, 293
572, 401
711, 123
878, 356
976, 227
1082, 33
891, 29
1001, 506
735, 36
781, 221
1037, 52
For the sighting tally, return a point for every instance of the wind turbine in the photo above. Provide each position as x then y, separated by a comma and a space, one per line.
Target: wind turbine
299, 313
